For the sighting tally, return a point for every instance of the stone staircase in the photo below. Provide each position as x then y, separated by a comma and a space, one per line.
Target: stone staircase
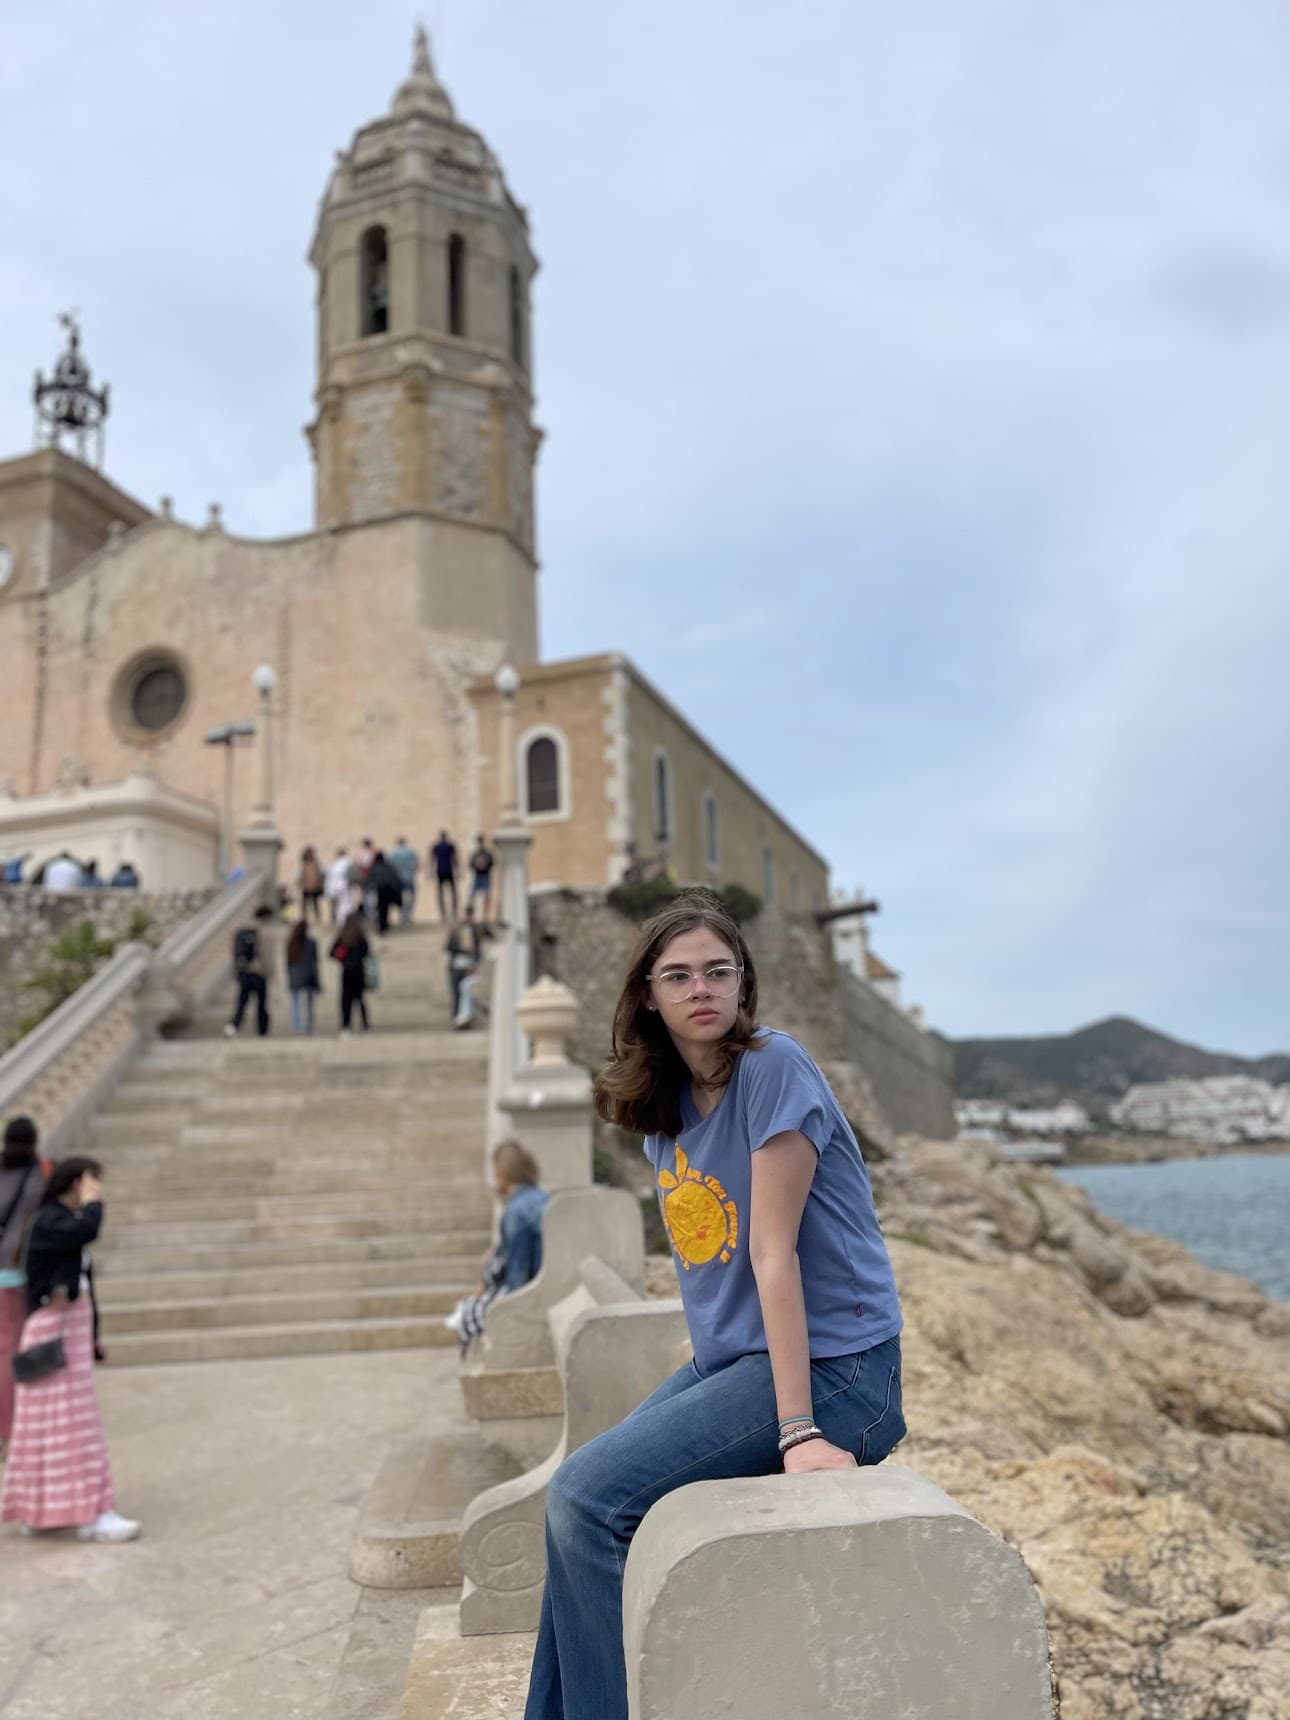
288, 1196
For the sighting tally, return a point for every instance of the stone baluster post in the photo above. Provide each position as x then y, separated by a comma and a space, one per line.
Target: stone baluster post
511, 842
547, 1103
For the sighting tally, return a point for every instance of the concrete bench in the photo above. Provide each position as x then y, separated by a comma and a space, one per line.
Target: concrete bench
857, 1593
611, 1349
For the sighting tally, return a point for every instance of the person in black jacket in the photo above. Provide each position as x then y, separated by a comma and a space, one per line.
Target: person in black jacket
302, 977
387, 884
58, 1475
351, 950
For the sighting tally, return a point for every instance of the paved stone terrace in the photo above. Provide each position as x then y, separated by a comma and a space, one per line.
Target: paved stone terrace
236, 1604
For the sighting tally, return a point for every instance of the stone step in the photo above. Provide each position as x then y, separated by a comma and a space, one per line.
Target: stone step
409, 1528
446, 1271
245, 1343
149, 1257
308, 1307
423, 1172
435, 1203
454, 1235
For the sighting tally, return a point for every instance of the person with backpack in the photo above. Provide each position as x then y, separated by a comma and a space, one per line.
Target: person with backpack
310, 883
57, 1475
481, 877
22, 1183
352, 950
387, 887
403, 858
302, 977
252, 966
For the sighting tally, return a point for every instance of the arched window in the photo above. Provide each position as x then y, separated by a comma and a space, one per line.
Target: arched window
374, 283
456, 285
767, 875
711, 829
662, 798
517, 317
544, 775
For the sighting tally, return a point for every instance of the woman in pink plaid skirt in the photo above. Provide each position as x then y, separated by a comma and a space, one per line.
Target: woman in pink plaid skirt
57, 1475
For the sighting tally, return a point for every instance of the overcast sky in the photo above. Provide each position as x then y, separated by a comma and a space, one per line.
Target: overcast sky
917, 390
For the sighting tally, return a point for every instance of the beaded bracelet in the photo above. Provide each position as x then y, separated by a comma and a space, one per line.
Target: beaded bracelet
802, 1439
799, 1436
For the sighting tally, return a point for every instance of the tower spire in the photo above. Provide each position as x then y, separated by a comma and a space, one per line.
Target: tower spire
421, 91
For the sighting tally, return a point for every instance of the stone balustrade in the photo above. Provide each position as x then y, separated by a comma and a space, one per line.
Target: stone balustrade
60, 1071
612, 1347
857, 1592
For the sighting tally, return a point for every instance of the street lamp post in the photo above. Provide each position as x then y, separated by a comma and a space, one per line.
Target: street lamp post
264, 680
261, 843
511, 841
227, 735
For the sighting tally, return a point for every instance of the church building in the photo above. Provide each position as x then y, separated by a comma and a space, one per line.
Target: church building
129, 638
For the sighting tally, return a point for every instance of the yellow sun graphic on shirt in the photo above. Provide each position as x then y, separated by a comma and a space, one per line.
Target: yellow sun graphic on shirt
702, 1221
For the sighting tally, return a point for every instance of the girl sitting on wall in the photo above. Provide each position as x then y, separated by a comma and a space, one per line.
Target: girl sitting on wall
783, 1271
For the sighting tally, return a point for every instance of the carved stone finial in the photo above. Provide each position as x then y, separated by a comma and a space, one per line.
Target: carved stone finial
548, 1012
166, 508
215, 518
421, 61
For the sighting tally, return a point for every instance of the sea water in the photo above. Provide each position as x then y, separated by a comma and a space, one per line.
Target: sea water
1232, 1212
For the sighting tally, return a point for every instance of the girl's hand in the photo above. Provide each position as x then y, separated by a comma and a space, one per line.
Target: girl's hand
815, 1454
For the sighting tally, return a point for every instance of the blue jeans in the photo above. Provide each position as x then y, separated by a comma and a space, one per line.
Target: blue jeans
690, 1429
302, 1005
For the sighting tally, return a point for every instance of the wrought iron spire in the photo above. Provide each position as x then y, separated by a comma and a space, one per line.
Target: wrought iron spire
67, 405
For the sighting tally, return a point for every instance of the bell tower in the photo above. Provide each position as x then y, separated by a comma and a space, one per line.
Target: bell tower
424, 398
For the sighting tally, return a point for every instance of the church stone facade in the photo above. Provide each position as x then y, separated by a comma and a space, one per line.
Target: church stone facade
127, 634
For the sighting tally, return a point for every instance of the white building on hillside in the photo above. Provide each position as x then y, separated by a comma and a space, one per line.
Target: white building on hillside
1221, 1108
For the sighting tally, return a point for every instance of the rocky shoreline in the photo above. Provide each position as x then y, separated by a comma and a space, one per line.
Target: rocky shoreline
1115, 1410
1156, 1149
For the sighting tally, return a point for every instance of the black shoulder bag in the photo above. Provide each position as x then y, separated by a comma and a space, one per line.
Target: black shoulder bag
41, 1360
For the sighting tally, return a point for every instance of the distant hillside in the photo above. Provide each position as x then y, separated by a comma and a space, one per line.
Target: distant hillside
1094, 1065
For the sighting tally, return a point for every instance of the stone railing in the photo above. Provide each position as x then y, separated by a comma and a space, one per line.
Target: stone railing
612, 1348
862, 1591
60, 1071
197, 958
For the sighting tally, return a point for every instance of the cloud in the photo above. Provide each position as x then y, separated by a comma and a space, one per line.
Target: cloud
923, 373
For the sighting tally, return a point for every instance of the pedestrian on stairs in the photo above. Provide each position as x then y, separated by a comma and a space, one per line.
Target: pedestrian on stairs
462, 949
338, 887
310, 884
351, 950
385, 884
58, 1476
302, 977
253, 947
22, 1182
443, 857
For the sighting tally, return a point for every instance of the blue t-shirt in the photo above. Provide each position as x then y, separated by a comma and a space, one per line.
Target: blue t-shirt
705, 1185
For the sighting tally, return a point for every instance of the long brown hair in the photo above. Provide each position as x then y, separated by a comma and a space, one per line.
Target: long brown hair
640, 1088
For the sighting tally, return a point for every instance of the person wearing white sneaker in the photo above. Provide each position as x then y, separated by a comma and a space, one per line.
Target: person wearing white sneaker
110, 1526
57, 1475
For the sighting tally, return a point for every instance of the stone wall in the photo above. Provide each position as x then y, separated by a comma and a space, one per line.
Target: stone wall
31, 921
890, 1076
